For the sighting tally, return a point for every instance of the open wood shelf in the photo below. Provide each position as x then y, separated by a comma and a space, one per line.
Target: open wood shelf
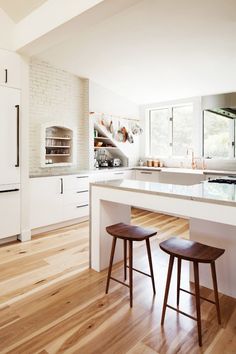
57, 138
102, 138
59, 143
105, 147
57, 155
57, 147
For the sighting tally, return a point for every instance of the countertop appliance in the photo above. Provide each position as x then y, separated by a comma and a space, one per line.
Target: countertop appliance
116, 162
227, 180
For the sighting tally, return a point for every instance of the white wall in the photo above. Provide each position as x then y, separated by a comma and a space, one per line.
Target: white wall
103, 100
6, 31
59, 97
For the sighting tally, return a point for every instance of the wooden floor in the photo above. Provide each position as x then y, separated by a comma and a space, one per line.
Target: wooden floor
51, 302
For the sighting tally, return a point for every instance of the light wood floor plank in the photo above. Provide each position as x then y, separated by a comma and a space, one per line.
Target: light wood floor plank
50, 302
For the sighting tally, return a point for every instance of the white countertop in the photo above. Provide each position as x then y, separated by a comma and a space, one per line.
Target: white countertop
145, 168
224, 194
186, 170
79, 172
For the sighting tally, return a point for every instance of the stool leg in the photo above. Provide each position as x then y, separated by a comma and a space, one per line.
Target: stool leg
170, 268
178, 280
131, 272
111, 262
213, 272
150, 264
125, 259
197, 298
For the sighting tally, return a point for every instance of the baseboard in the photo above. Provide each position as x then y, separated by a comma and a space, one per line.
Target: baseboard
8, 240
43, 229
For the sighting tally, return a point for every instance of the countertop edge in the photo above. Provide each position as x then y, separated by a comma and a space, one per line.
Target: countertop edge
166, 194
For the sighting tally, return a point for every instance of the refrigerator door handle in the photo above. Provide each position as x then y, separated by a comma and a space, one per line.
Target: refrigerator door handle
17, 135
6, 76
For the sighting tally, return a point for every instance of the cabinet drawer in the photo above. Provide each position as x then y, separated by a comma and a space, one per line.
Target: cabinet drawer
76, 183
10, 214
74, 212
149, 176
76, 198
10, 69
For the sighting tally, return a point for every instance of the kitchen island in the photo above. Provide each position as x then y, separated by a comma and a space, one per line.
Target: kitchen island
210, 207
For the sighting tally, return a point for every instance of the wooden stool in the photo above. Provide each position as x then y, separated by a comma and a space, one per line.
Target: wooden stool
130, 233
197, 253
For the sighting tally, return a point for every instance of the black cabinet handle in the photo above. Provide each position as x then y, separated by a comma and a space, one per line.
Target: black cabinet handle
10, 190
146, 173
82, 177
62, 186
82, 206
17, 135
6, 76
83, 191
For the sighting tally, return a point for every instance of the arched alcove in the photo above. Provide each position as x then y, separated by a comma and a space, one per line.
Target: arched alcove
58, 146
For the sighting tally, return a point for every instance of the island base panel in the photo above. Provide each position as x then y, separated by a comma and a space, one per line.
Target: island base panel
221, 236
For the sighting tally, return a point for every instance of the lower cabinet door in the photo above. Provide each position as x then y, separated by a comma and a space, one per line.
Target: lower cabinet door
46, 204
10, 214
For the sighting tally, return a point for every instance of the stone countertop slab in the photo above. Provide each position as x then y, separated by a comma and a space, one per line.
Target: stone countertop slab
79, 172
158, 169
224, 194
186, 170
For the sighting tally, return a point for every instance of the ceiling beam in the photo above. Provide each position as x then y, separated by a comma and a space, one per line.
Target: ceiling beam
50, 15
45, 34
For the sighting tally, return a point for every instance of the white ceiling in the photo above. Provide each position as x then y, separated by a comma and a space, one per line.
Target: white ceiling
18, 9
157, 50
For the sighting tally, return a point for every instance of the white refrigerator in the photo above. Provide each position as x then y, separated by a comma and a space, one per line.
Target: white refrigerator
9, 162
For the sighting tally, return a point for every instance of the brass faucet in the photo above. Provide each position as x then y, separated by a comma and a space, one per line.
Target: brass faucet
193, 163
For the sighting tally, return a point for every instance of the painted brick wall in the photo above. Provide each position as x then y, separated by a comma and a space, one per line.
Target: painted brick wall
57, 96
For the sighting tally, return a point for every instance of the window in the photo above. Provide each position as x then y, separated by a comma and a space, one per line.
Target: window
219, 135
171, 131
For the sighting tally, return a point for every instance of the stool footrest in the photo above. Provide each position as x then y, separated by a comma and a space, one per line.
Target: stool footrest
181, 312
139, 271
119, 281
201, 297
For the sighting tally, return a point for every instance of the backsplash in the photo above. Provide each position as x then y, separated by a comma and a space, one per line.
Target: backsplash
57, 96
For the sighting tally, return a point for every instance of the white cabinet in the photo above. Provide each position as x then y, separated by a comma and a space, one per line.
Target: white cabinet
9, 135
107, 175
10, 213
127, 174
148, 176
46, 201
10, 69
76, 196
57, 199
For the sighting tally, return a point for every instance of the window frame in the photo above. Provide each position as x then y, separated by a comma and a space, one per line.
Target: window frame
233, 136
170, 108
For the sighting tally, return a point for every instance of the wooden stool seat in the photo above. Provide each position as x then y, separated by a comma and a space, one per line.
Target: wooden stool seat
129, 233
197, 253
191, 250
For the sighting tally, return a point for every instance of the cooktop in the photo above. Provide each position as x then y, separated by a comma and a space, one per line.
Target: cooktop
229, 180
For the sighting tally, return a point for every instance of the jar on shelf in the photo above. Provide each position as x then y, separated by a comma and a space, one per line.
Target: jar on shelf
155, 163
